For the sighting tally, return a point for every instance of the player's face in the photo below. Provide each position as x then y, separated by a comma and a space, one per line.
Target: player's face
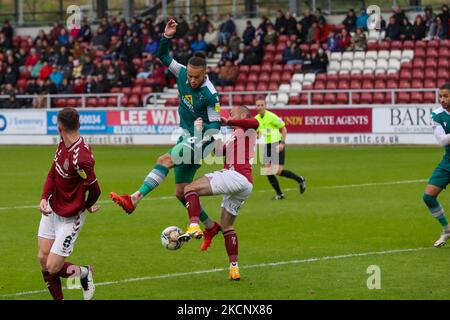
234, 113
444, 98
260, 106
196, 76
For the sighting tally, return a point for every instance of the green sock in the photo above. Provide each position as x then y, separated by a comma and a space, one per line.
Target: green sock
153, 179
203, 215
436, 209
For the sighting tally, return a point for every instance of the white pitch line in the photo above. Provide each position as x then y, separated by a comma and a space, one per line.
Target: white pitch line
344, 186
261, 265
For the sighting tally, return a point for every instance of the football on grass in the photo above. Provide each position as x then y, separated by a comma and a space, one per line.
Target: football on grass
169, 238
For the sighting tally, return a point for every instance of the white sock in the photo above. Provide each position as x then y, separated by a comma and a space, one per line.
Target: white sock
234, 264
193, 225
136, 197
84, 272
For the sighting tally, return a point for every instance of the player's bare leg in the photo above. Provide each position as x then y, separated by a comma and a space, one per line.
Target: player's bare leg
429, 197
231, 243
155, 177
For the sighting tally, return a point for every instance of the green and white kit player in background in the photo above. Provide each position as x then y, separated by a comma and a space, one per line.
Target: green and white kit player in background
440, 177
199, 112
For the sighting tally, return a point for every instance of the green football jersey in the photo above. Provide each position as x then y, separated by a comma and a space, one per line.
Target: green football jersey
194, 103
442, 118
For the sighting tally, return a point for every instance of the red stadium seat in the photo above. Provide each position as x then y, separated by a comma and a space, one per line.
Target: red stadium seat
266, 67
343, 85
249, 99
403, 97
124, 101
269, 48
396, 45
407, 65
356, 98
421, 44
116, 90
405, 75
126, 91
419, 63
136, 90
379, 84
133, 101
225, 100
416, 97
444, 63
277, 68
253, 77
255, 68
331, 85
443, 73
372, 46
91, 102
366, 98
317, 98
228, 89
420, 53
432, 53
294, 100
433, 44
319, 85
367, 84
264, 77
278, 58
378, 97
431, 63
286, 77
408, 45
102, 102
444, 52
273, 86
355, 84
239, 87
384, 45
289, 68
262, 86
404, 84
418, 74
322, 77
238, 100
430, 83
393, 76
429, 97
304, 99
250, 86
112, 102
417, 83
147, 90
330, 98
242, 77
268, 58
276, 77
244, 68
342, 98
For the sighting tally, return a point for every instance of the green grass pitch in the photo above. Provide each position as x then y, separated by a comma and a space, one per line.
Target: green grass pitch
363, 207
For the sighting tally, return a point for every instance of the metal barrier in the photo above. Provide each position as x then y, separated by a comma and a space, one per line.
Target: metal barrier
151, 100
50, 97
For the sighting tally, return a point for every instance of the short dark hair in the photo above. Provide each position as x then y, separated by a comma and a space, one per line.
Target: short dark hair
198, 59
260, 97
445, 86
69, 119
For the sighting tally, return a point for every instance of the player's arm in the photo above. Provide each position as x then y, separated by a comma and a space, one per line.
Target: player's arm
86, 172
279, 124
245, 124
441, 136
163, 49
49, 187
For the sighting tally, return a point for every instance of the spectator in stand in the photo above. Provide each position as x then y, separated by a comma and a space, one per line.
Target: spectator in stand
299, 33
77, 69
392, 30
227, 54
249, 33
203, 25
211, 39
8, 89
418, 29
265, 21
253, 54
320, 62
343, 40
100, 40
234, 44
399, 15
89, 67
36, 70
280, 22
226, 29
350, 21
307, 22
445, 19
227, 74
10, 76
151, 46
67, 69
441, 29
199, 44
320, 17
56, 76
32, 59
159, 76
112, 76
77, 51
63, 37
125, 79
182, 55
66, 87
313, 30
5, 43
292, 54
50, 87
102, 84
406, 30
358, 42
430, 23
85, 33
191, 33
322, 32
89, 85
10, 103
182, 27
45, 71
32, 87
143, 73
7, 30
290, 23
135, 49
332, 42
78, 86
361, 21
63, 56
271, 35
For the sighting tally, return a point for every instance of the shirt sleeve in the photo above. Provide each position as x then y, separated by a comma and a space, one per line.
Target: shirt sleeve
86, 170
166, 58
442, 138
49, 185
277, 122
213, 109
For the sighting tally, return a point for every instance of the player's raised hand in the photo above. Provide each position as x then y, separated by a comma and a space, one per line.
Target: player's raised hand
171, 28
43, 207
223, 121
95, 208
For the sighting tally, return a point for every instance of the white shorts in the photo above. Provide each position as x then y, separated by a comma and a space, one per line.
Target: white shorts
63, 230
234, 187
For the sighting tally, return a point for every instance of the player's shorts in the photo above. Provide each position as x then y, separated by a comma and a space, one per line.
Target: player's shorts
63, 230
441, 174
185, 172
278, 157
234, 187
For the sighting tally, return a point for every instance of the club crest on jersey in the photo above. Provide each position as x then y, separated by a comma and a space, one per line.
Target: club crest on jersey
66, 164
82, 174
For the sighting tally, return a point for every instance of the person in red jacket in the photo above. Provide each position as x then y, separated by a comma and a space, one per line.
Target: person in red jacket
234, 183
64, 204
343, 40
32, 59
45, 72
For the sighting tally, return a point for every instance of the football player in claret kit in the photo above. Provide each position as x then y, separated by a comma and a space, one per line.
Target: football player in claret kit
63, 207
234, 183
199, 105
440, 177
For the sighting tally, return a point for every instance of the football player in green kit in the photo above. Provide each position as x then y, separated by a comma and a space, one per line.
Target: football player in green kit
199, 112
440, 177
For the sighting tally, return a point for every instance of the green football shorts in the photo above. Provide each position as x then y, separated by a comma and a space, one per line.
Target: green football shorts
441, 175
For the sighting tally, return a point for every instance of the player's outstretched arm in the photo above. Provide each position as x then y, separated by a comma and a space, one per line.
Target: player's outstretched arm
94, 194
163, 48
